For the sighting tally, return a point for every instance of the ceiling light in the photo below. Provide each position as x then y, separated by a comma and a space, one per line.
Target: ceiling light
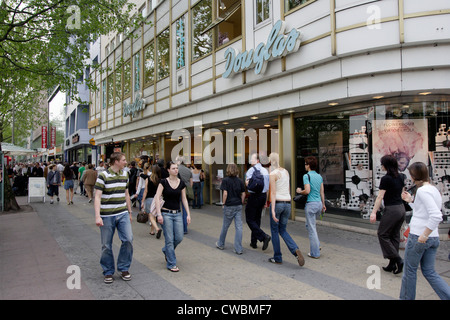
254, 118
377, 97
333, 104
424, 93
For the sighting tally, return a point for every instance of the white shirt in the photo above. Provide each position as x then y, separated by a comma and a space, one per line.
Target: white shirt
426, 211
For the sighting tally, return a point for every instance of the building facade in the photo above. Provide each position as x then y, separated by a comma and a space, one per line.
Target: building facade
346, 81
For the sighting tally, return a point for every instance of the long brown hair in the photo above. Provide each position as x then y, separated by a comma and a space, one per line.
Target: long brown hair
155, 177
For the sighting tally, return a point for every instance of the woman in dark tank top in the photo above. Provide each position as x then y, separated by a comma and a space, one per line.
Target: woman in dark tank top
390, 191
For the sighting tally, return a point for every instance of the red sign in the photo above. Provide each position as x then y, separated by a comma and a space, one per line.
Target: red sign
44, 137
53, 138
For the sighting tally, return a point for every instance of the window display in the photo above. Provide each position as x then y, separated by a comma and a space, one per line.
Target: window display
350, 144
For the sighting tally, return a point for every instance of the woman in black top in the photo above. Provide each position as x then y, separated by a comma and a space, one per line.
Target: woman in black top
390, 191
151, 185
173, 191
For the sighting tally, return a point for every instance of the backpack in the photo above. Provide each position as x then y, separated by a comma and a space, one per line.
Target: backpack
256, 182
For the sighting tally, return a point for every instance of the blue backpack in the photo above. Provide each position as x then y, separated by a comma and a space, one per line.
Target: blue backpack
256, 182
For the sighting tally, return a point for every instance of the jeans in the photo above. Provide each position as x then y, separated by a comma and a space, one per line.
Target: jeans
147, 204
196, 187
173, 235
230, 213
425, 254
312, 211
139, 198
123, 225
282, 212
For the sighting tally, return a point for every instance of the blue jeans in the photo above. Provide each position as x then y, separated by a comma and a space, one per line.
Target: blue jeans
173, 235
139, 198
123, 225
282, 212
230, 213
312, 211
425, 254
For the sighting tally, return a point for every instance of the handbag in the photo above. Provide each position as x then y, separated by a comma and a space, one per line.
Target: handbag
142, 217
153, 206
301, 199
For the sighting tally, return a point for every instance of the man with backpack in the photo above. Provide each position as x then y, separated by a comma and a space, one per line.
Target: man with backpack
257, 182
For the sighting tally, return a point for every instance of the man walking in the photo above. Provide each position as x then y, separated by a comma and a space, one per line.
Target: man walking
113, 210
256, 202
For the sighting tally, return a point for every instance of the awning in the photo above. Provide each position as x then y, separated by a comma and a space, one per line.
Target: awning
13, 150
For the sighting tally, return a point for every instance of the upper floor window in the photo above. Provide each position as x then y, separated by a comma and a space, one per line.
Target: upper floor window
201, 19
127, 78
262, 10
149, 64
163, 53
291, 4
228, 21
181, 42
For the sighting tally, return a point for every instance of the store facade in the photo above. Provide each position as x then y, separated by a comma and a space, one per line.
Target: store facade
336, 79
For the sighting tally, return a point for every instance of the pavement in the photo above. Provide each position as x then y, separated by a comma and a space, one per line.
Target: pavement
52, 252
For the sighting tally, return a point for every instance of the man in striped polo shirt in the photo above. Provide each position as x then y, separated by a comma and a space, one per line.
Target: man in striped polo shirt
113, 210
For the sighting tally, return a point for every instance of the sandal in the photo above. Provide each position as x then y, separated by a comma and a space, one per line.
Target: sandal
174, 269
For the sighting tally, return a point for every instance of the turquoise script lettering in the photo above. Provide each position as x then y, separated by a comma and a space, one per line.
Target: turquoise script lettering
134, 108
278, 45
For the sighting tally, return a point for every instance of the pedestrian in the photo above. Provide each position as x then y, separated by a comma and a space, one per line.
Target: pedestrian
80, 176
151, 185
74, 168
315, 204
68, 177
390, 192
233, 198
280, 209
196, 186
255, 204
142, 180
133, 174
423, 238
53, 183
112, 207
173, 191
185, 174
89, 179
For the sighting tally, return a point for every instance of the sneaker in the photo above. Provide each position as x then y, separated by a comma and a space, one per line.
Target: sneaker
239, 253
51, 201
126, 276
90, 200
219, 247
108, 278
309, 255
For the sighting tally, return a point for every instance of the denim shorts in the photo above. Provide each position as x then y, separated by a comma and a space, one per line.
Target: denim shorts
68, 184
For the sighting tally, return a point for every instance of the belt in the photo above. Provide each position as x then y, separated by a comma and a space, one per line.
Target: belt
170, 211
279, 201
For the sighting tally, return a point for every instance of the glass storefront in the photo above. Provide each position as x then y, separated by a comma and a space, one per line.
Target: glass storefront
350, 142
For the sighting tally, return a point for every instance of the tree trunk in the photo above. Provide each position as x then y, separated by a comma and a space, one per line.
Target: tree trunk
10, 198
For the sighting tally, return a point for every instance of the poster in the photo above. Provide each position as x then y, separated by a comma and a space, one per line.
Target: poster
331, 161
405, 139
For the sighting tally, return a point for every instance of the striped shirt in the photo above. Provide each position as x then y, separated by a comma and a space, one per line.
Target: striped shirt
113, 186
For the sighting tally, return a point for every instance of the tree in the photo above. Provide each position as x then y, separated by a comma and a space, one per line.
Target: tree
45, 43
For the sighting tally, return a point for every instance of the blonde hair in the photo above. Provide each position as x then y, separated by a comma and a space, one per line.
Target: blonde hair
274, 159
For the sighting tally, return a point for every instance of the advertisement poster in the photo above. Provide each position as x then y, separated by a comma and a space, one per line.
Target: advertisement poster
405, 139
331, 161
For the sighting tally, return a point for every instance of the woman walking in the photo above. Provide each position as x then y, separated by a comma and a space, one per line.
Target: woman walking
151, 185
390, 192
423, 239
233, 198
196, 186
53, 183
313, 184
280, 209
173, 190
142, 181
68, 176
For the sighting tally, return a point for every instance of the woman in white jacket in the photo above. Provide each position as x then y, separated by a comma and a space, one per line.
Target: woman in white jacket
423, 239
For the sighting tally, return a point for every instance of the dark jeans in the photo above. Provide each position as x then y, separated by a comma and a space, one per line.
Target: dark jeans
196, 187
389, 230
253, 210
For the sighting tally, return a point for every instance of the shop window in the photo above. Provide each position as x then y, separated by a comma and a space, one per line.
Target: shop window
201, 39
163, 54
181, 42
262, 10
127, 78
110, 89
118, 76
349, 145
137, 71
291, 4
149, 64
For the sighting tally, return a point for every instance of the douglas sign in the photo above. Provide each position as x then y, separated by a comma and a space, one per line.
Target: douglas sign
278, 45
